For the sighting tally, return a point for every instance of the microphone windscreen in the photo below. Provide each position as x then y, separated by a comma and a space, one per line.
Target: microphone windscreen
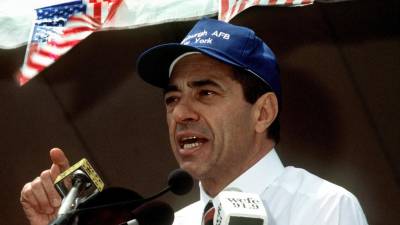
113, 214
180, 182
112, 195
154, 213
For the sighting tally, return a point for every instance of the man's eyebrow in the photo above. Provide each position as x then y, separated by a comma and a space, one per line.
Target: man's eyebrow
170, 88
202, 83
192, 84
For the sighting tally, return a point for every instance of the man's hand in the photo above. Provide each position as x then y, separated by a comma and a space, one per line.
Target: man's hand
39, 199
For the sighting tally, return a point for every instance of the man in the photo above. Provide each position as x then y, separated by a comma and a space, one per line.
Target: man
222, 96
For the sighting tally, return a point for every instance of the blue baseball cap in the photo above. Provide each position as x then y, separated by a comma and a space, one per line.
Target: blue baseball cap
235, 45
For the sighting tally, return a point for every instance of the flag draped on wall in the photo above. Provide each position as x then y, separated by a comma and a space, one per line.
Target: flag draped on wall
60, 27
230, 8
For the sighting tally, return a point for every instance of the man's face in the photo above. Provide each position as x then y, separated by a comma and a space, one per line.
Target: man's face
211, 126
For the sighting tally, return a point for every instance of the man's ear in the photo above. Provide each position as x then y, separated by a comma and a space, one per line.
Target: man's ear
266, 110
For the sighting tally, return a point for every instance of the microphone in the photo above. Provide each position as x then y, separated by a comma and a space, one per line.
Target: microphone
152, 213
239, 208
94, 185
85, 184
180, 182
102, 208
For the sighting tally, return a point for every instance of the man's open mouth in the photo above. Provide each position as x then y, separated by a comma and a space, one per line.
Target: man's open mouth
191, 142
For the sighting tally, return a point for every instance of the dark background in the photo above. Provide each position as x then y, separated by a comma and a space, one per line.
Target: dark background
340, 75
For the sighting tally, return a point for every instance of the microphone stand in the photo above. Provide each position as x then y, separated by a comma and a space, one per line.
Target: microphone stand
70, 202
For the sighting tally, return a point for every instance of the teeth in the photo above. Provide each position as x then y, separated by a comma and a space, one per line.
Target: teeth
191, 145
188, 138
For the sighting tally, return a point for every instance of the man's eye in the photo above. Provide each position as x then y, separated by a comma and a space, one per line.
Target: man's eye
171, 99
206, 93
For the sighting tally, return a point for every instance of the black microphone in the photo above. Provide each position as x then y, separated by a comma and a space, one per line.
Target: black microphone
123, 201
108, 213
152, 213
102, 210
158, 213
180, 182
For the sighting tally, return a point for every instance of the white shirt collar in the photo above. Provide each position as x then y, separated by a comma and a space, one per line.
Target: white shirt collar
256, 179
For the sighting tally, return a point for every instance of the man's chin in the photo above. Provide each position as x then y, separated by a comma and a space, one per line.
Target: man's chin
193, 170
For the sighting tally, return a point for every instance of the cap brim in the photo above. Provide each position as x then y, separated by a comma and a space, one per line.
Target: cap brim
153, 65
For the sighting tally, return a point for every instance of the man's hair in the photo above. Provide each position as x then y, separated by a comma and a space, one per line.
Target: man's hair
253, 88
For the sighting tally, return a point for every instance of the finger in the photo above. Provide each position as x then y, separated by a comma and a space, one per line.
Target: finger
51, 192
27, 199
54, 172
60, 164
41, 196
58, 157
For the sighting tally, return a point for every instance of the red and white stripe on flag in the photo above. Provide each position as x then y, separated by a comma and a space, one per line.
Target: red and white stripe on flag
230, 8
39, 56
50, 42
101, 10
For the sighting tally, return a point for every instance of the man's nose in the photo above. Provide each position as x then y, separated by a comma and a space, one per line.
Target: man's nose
185, 112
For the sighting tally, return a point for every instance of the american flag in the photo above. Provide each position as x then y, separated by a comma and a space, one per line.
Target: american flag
230, 8
60, 27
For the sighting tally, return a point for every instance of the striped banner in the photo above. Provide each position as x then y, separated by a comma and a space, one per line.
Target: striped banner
230, 8
58, 28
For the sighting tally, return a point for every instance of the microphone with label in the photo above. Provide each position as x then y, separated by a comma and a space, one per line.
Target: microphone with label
239, 208
86, 183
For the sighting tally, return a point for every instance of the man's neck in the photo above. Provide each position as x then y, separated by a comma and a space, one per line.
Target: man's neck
212, 186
